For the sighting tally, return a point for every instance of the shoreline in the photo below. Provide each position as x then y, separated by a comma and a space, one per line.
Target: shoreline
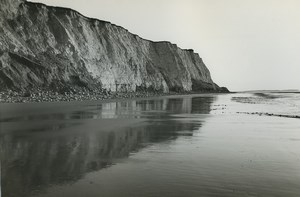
269, 114
44, 96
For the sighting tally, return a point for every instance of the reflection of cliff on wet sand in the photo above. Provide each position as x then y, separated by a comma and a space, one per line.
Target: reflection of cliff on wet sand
31, 162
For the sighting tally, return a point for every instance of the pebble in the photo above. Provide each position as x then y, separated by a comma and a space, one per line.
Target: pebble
51, 96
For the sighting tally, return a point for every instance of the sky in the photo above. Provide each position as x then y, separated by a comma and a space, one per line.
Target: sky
246, 44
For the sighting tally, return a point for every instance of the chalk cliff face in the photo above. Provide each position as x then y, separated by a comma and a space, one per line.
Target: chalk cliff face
43, 46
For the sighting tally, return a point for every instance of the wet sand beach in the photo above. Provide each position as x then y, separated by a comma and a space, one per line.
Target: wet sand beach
189, 145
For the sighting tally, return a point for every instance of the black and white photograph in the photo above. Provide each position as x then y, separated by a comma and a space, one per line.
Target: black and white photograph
149, 98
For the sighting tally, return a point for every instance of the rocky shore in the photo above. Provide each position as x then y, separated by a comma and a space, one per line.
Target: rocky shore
269, 114
40, 95
53, 96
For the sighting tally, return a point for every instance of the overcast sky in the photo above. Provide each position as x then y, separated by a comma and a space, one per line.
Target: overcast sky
246, 44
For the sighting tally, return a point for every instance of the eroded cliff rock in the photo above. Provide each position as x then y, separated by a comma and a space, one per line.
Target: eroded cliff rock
43, 46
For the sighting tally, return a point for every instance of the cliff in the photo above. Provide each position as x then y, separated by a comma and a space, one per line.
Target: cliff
52, 47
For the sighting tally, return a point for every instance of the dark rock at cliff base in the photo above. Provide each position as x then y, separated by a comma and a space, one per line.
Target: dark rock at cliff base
62, 50
224, 89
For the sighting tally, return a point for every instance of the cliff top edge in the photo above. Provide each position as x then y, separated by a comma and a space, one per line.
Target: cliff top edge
30, 3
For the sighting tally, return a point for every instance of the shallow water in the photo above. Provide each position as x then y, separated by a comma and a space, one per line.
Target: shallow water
194, 145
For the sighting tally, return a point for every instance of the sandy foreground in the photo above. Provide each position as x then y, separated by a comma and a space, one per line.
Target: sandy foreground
182, 145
